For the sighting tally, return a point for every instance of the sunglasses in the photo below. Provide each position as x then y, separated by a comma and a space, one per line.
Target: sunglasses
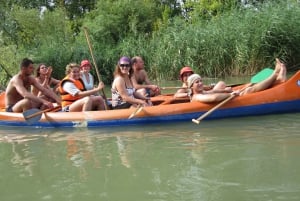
125, 65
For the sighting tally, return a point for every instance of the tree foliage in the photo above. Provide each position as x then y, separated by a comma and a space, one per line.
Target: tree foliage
215, 37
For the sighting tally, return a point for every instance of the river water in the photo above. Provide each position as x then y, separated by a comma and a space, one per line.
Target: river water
251, 158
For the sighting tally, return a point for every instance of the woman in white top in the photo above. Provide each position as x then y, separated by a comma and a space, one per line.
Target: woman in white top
86, 76
123, 93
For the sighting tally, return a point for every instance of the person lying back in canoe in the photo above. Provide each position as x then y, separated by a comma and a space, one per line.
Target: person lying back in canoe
140, 79
18, 96
199, 94
185, 73
124, 94
75, 98
43, 76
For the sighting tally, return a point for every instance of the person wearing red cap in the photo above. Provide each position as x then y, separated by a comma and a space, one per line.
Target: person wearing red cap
75, 97
185, 72
86, 76
140, 79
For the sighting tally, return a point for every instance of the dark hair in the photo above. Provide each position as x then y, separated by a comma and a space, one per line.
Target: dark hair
26, 62
135, 59
38, 69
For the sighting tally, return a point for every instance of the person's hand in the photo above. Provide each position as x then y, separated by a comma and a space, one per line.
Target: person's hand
48, 104
154, 87
235, 93
141, 102
101, 85
228, 89
49, 71
149, 103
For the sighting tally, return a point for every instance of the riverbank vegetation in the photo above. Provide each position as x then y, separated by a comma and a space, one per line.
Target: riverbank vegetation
215, 39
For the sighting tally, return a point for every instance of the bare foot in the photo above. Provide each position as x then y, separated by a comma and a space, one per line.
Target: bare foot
281, 77
277, 66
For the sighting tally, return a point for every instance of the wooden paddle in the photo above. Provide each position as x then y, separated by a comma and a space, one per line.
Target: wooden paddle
208, 87
95, 64
137, 110
34, 115
262, 75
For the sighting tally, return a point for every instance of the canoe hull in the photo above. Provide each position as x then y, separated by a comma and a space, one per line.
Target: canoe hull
283, 98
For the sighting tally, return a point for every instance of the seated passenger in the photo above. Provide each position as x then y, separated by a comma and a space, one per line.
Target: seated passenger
74, 96
43, 76
86, 76
18, 96
199, 94
124, 94
185, 72
140, 79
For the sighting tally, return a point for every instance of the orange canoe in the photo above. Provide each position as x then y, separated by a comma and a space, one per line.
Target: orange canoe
283, 98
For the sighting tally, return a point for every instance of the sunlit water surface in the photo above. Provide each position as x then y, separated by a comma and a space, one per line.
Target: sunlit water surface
253, 158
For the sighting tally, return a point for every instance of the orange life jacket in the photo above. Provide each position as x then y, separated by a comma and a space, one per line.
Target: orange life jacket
66, 98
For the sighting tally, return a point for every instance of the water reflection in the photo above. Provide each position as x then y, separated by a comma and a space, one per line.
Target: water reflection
253, 158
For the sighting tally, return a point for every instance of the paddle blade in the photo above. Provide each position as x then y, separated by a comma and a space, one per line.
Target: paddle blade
262, 75
30, 117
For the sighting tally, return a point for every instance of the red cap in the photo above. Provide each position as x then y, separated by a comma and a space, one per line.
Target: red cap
85, 62
185, 69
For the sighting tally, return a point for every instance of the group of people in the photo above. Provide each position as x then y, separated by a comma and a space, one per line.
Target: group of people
194, 88
76, 91
131, 87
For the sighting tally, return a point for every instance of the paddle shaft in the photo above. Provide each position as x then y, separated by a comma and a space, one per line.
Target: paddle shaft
197, 121
208, 87
137, 110
95, 64
43, 111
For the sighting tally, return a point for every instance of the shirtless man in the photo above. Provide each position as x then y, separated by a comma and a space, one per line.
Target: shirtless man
18, 97
198, 94
140, 79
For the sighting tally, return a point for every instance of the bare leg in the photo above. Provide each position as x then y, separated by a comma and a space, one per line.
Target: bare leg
22, 105
98, 103
83, 104
221, 85
142, 92
282, 73
278, 74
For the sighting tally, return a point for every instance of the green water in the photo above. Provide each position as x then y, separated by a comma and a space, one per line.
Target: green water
255, 159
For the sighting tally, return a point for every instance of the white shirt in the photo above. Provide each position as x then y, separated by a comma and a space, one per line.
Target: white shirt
70, 88
88, 85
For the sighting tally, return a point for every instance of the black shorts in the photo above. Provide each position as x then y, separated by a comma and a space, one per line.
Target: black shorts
122, 106
9, 108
